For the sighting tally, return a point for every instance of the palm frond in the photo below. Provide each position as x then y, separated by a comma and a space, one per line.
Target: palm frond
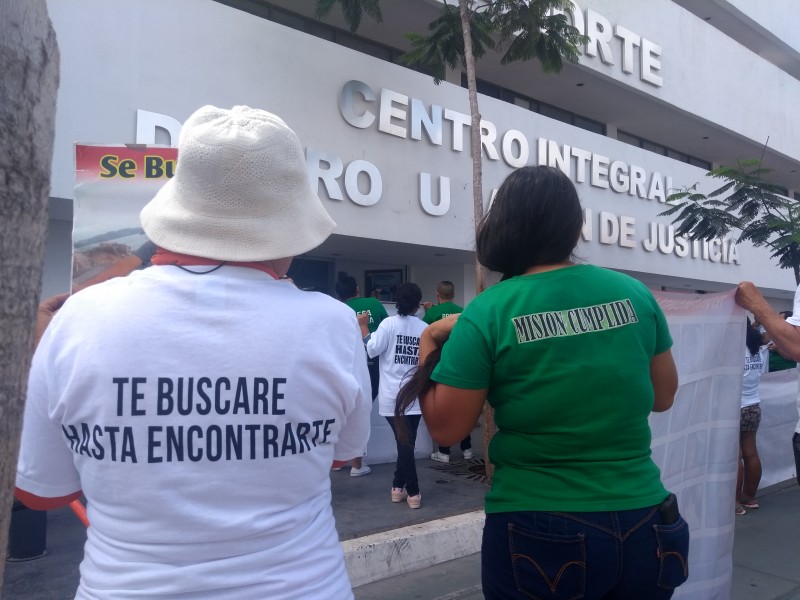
745, 201
531, 31
353, 11
444, 43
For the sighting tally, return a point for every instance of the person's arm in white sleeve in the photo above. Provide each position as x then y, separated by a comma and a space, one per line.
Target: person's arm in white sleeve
378, 342
46, 474
354, 435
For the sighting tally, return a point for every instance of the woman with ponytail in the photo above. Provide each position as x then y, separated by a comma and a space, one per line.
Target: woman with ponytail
396, 342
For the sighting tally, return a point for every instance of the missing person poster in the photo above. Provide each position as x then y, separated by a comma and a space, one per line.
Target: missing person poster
112, 185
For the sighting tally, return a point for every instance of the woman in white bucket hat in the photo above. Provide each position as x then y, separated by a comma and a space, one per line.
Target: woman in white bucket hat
199, 404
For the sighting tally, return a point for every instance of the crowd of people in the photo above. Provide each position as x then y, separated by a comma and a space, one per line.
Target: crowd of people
210, 386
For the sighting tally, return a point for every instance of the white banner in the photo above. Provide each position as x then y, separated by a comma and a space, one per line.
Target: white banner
696, 442
779, 413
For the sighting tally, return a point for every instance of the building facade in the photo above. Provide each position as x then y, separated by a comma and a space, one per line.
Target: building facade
663, 92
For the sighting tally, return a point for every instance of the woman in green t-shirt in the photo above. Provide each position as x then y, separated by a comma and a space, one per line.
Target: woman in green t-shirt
573, 358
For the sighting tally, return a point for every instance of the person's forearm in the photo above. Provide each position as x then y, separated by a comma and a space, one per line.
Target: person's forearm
42, 503
435, 335
785, 336
427, 344
782, 354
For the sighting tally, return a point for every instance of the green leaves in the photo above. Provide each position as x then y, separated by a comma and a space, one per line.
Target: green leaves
443, 46
532, 30
352, 10
698, 216
522, 29
746, 202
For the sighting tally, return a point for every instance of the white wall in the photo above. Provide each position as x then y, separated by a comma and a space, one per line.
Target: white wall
779, 17
427, 278
696, 57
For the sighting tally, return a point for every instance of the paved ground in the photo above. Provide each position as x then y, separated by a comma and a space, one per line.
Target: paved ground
766, 547
766, 557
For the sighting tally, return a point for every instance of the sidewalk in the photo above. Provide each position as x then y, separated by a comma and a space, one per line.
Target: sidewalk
766, 547
383, 540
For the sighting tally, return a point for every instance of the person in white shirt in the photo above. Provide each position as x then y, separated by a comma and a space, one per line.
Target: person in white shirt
785, 334
199, 404
396, 342
756, 363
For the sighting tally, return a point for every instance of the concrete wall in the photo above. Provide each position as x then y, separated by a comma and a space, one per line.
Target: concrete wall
778, 17
696, 57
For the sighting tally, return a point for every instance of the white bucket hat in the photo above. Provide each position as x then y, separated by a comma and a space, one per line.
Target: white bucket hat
240, 191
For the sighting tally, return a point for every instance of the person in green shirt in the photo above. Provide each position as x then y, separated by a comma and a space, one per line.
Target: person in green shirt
573, 358
444, 307
347, 291
445, 293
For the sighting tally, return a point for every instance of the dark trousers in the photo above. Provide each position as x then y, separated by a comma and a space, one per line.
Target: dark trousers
622, 555
373, 366
465, 444
405, 472
796, 447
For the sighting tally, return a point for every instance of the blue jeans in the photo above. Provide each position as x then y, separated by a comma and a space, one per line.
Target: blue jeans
621, 555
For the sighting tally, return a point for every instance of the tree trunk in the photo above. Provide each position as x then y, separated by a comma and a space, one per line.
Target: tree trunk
477, 194
28, 85
475, 132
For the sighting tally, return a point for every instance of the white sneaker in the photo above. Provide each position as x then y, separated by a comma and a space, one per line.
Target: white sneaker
440, 457
364, 470
414, 501
468, 454
399, 494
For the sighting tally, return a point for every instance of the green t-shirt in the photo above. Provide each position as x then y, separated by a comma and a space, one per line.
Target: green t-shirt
441, 310
369, 305
565, 356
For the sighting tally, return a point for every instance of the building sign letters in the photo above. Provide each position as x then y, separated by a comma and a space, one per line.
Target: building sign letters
395, 114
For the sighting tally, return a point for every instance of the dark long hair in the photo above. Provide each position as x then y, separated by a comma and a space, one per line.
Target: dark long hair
415, 385
408, 296
535, 219
345, 286
753, 340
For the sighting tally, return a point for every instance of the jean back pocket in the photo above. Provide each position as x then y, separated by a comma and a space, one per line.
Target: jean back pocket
548, 566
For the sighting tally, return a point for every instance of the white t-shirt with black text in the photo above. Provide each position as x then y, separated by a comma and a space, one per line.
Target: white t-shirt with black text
396, 341
755, 365
200, 415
